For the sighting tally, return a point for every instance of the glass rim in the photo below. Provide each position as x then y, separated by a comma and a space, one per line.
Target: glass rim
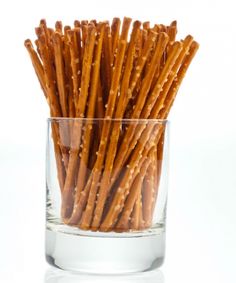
125, 120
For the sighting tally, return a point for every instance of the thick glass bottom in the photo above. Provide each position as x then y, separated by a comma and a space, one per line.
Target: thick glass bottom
105, 253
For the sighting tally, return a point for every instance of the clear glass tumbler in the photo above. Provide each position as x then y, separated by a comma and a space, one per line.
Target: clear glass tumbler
106, 194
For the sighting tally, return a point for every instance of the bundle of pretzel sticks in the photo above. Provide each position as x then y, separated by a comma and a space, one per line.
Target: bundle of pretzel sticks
119, 81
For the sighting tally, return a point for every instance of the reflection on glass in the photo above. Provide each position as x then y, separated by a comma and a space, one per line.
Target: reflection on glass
59, 276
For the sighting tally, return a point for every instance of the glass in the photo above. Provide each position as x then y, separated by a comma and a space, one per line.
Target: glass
106, 194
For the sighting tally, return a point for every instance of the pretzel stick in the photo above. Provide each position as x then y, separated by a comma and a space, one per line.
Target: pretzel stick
94, 22
67, 200
122, 192
90, 114
60, 73
48, 72
176, 84
68, 72
59, 27
38, 67
156, 92
134, 223
172, 31
146, 26
148, 191
77, 29
77, 45
124, 148
84, 28
136, 89
46, 54
115, 28
77, 24
131, 180
162, 96
142, 60
136, 74
40, 74
105, 132
87, 215
176, 52
100, 104
134, 193
75, 65
48, 39
108, 61
141, 221
111, 151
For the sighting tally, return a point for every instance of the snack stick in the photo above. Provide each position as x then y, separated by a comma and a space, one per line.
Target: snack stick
123, 190
90, 114
111, 151
90, 189
60, 73
68, 198
115, 31
124, 148
87, 215
133, 195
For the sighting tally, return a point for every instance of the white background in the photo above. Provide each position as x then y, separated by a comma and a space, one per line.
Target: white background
202, 195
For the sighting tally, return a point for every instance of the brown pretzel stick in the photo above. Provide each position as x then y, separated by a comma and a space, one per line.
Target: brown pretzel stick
142, 60
48, 72
77, 30
137, 55
59, 27
148, 190
115, 29
146, 26
134, 193
158, 92
145, 87
46, 54
111, 151
125, 146
148, 140
67, 200
87, 215
75, 64
137, 222
136, 215
60, 73
84, 29
162, 97
176, 84
68, 72
58, 156
40, 74
38, 67
108, 61
131, 181
90, 114
100, 104
171, 31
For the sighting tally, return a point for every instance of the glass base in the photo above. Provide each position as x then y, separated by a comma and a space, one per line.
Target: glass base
105, 253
